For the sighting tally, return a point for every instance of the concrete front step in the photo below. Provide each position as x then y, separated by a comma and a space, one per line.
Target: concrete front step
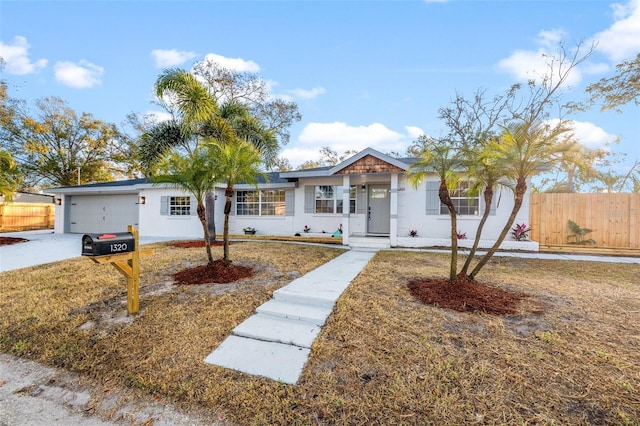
374, 243
315, 314
276, 361
279, 330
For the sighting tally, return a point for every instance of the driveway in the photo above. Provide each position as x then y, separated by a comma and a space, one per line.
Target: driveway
46, 246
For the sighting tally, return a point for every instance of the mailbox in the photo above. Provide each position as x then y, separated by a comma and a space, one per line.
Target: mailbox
101, 244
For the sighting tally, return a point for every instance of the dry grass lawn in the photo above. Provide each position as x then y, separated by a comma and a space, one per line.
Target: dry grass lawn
382, 358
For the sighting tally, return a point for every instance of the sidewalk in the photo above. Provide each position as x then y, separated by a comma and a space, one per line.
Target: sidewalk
276, 341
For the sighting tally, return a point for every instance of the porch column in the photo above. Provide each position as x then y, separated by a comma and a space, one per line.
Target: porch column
346, 203
393, 226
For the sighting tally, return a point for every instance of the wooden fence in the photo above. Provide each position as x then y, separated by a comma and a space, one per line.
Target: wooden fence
614, 218
26, 216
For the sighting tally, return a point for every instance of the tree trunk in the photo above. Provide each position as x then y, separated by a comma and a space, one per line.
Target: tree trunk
203, 220
228, 194
521, 189
443, 194
210, 205
488, 198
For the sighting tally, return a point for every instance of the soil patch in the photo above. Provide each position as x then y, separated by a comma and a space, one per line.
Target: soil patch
215, 272
465, 295
7, 241
196, 244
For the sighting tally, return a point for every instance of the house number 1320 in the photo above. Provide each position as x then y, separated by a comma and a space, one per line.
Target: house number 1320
118, 247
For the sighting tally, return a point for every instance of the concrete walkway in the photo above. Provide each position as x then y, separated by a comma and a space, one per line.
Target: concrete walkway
276, 341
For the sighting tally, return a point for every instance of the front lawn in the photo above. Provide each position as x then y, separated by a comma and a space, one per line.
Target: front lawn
570, 355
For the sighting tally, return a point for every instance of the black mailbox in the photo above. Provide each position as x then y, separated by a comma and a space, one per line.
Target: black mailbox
101, 244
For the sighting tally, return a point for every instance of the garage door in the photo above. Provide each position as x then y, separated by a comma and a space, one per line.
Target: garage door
102, 213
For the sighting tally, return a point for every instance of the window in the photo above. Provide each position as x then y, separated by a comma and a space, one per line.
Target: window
179, 206
329, 199
465, 200
261, 203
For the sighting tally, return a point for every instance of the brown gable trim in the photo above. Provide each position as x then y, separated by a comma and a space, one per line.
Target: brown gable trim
369, 164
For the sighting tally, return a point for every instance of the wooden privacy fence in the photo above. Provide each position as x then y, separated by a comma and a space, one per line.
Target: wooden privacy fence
614, 218
25, 216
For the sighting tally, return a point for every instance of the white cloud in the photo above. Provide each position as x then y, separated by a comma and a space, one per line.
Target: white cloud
589, 134
525, 65
308, 94
82, 75
236, 64
156, 116
414, 132
16, 57
341, 137
171, 58
622, 39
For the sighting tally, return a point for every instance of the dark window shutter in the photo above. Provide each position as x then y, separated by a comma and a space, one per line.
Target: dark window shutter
289, 203
309, 199
433, 200
193, 206
164, 206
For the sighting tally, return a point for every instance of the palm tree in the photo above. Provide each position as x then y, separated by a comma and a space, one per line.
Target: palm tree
235, 161
524, 149
196, 175
441, 158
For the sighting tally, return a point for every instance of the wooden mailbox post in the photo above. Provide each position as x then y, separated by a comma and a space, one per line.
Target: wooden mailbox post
129, 264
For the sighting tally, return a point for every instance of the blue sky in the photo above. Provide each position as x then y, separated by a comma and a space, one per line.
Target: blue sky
364, 73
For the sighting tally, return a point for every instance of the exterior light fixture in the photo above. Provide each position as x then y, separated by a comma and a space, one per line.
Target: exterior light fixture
58, 201
142, 200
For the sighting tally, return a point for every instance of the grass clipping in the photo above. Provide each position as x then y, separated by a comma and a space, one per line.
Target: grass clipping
569, 355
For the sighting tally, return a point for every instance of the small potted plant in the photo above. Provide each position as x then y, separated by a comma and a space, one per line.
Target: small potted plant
413, 233
462, 235
306, 229
249, 230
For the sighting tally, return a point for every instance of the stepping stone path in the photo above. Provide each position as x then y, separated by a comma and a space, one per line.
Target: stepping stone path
276, 341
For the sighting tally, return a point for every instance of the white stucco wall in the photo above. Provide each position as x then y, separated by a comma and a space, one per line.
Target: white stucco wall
412, 215
153, 224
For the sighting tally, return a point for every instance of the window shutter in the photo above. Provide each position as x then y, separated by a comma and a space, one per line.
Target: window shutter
433, 200
309, 199
233, 203
361, 202
289, 203
164, 206
494, 202
193, 206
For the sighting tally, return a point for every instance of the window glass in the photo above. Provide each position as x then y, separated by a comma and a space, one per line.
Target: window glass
179, 206
465, 199
329, 199
261, 203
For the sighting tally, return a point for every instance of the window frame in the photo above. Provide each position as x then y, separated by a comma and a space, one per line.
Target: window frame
336, 201
462, 201
260, 205
178, 207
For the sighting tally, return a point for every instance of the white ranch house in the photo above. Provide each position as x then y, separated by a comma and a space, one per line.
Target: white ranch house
367, 195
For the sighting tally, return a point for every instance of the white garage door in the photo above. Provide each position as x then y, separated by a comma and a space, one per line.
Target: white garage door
102, 213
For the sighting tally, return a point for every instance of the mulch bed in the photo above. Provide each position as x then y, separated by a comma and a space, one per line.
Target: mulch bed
216, 272
465, 295
196, 243
6, 241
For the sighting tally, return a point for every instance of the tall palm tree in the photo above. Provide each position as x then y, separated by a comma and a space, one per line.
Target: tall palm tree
441, 158
524, 149
195, 174
235, 161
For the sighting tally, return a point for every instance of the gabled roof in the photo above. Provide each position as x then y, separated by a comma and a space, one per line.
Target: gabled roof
399, 163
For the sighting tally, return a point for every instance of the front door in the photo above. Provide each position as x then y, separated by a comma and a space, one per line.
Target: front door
379, 209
